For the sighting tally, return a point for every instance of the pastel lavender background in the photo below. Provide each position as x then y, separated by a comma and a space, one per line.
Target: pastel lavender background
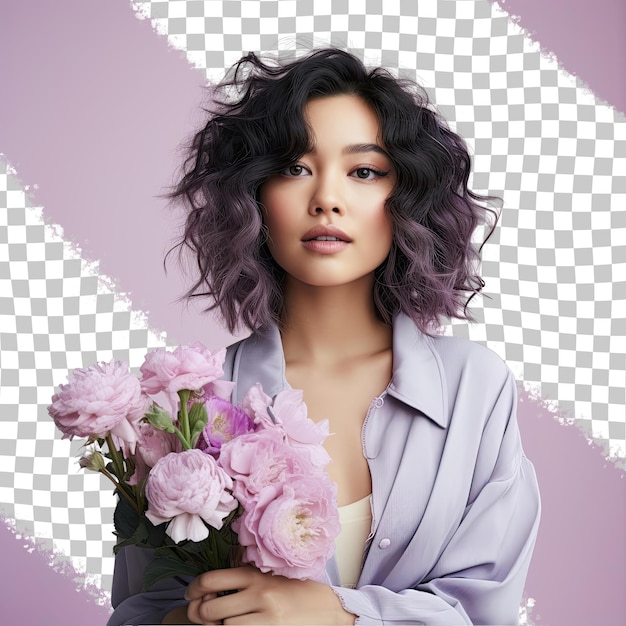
102, 88
586, 37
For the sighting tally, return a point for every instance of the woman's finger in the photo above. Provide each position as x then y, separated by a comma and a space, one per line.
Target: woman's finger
219, 581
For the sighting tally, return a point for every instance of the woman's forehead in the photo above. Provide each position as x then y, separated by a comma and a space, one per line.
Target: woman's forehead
344, 120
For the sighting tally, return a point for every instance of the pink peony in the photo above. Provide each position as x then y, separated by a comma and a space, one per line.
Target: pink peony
152, 445
220, 388
288, 412
186, 488
186, 367
100, 400
259, 459
225, 422
292, 528
256, 403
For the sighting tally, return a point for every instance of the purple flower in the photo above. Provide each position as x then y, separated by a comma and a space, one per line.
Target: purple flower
292, 528
187, 489
225, 422
100, 400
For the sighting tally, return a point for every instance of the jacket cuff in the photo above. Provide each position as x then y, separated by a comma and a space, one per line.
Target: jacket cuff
356, 602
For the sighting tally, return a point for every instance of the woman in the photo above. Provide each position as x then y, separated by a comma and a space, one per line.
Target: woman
330, 214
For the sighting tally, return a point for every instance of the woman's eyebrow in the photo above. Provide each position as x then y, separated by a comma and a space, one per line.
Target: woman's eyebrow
358, 148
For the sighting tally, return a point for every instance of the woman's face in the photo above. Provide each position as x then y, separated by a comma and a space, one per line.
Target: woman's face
326, 213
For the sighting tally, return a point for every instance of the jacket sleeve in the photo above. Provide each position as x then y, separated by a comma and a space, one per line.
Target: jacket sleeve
130, 604
480, 573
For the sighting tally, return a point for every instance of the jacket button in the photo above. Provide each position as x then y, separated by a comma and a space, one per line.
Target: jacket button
384, 543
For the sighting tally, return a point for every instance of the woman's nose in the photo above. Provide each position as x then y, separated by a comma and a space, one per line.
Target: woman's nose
327, 196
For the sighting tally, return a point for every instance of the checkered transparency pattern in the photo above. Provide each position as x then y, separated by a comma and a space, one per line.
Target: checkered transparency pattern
554, 269
555, 293
56, 314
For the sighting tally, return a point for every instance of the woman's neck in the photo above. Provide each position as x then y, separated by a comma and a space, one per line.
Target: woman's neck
332, 324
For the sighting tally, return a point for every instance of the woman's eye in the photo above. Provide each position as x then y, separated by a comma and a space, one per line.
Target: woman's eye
294, 170
368, 173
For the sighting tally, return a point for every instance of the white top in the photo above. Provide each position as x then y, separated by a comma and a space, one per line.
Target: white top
356, 523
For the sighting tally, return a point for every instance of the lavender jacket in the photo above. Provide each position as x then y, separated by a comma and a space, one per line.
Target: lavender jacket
455, 502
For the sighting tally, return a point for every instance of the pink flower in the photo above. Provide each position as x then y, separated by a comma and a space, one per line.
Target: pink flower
152, 445
220, 388
292, 528
256, 403
186, 488
288, 412
100, 400
256, 460
225, 422
187, 367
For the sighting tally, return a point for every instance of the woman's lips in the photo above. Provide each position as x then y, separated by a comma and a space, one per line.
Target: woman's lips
325, 245
325, 239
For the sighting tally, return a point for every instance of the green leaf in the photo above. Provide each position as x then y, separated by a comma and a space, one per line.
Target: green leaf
130, 469
167, 567
125, 518
195, 547
224, 543
196, 431
155, 535
198, 413
197, 421
139, 538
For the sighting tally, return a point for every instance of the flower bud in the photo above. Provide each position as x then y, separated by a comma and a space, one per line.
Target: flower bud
160, 419
93, 461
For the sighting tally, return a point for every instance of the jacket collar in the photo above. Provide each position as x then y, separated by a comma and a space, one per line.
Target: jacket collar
418, 379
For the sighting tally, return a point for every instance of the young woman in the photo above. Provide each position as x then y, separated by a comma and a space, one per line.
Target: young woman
330, 214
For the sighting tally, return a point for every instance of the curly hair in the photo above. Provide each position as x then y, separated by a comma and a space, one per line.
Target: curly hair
256, 128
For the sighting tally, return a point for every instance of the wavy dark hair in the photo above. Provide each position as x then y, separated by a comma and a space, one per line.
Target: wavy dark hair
256, 128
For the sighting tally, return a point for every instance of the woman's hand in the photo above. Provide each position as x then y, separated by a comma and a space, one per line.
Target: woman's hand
262, 599
177, 616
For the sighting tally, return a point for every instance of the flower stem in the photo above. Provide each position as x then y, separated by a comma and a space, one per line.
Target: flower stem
118, 465
184, 441
116, 457
121, 490
183, 394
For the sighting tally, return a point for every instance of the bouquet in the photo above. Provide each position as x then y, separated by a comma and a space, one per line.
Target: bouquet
204, 482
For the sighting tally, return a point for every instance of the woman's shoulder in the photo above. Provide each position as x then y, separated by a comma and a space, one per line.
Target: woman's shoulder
455, 357
465, 353
469, 364
443, 375
475, 376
